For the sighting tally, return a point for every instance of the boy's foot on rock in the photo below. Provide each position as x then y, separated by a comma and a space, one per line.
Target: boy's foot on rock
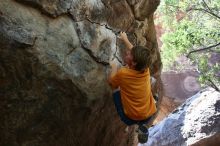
142, 134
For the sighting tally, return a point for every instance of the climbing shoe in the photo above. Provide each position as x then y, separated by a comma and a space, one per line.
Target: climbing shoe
142, 134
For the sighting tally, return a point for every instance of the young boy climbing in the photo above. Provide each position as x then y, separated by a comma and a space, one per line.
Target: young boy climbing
132, 88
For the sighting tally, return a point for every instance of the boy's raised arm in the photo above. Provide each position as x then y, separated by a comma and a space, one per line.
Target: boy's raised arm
124, 38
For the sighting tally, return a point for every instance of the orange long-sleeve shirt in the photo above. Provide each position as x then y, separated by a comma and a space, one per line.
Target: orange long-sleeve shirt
135, 88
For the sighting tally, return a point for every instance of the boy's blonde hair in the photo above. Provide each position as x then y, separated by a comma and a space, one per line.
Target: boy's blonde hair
142, 57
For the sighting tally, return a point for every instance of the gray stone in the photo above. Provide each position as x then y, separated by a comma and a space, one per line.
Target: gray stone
196, 122
54, 61
52, 8
97, 39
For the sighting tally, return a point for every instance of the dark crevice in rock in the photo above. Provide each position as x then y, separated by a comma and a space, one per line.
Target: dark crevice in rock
94, 57
69, 9
70, 51
106, 26
106, 5
115, 56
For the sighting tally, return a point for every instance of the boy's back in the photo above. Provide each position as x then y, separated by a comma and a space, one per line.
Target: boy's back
136, 96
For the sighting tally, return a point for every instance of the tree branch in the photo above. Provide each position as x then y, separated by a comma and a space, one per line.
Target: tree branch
207, 6
213, 85
202, 49
200, 9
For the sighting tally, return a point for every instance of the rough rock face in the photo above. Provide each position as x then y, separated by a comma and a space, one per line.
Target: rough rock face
53, 65
195, 123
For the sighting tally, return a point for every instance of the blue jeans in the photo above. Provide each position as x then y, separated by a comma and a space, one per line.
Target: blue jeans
120, 111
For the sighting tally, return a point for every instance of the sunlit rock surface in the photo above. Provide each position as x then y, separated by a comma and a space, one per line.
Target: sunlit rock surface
54, 58
194, 123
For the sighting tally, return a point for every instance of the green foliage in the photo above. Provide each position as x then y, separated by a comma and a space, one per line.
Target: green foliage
209, 71
191, 25
179, 41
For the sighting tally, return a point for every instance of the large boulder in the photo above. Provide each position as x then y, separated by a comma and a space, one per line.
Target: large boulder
54, 59
194, 123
